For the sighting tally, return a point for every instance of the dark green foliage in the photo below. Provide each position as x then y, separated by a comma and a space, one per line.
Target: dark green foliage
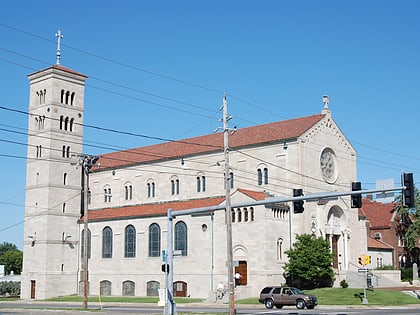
10, 288
310, 262
407, 274
6, 247
344, 284
12, 261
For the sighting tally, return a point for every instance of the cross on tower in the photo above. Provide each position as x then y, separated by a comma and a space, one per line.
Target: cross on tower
59, 37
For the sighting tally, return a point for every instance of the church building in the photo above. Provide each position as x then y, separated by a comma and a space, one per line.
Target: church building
131, 191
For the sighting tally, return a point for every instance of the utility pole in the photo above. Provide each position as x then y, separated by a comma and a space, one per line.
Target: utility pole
228, 213
87, 163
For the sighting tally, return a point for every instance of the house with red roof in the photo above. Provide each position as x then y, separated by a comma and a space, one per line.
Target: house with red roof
131, 191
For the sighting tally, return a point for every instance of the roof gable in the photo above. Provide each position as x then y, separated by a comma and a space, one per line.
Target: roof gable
255, 135
377, 213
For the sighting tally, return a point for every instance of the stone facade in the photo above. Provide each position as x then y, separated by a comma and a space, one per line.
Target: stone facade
131, 192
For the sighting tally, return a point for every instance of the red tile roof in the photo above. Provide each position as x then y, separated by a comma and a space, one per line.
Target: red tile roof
374, 243
255, 135
161, 208
256, 195
151, 209
60, 67
377, 213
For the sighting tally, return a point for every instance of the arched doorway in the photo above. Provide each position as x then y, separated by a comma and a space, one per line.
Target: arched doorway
180, 289
336, 224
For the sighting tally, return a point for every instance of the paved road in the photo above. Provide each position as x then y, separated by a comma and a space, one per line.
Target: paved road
44, 308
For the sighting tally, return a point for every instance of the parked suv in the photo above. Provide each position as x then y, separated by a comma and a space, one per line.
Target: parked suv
278, 296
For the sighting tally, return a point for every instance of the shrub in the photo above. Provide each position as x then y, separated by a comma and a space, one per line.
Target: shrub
344, 284
10, 288
407, 274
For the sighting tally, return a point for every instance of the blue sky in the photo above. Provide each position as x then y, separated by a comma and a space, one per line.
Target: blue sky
160, 68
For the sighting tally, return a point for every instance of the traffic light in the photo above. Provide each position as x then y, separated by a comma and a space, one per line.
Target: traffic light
367, 260
408, 191
298, 204
165, 268
356, 199
361, 260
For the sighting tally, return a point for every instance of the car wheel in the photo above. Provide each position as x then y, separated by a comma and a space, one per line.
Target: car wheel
279, 306
269, 303
300, 304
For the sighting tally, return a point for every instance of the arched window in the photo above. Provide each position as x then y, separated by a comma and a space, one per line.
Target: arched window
105, 288
128, 288
62, 96
128, 192
71, 124
259, 176
251, 214
245, 214
107, 242
154, 240
107, 194
239, 214
65, 179
72, 98
153, 288
181, 240
82, 239
265, 176
279, 249
130, 242
233, 215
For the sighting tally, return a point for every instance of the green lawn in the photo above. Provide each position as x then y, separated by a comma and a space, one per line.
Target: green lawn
339, 296
326, 296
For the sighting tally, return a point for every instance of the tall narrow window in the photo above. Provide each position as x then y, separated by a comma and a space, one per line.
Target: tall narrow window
181, 240
72, 98
279, 247
175, 186
232, 184
203, 183
128, 192
198, 184
61, 122
107, 242
71, 124
265, 176
251, 214
65, 179
107, 194
130, 242
259, 176
154, 240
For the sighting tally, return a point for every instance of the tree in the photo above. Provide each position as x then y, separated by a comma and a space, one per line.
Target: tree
310, 262
12, 261
5, 247
410, 227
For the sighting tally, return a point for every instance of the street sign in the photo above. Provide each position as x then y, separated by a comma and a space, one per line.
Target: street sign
363, 270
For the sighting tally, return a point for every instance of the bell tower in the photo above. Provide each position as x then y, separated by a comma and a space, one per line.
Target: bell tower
53, 184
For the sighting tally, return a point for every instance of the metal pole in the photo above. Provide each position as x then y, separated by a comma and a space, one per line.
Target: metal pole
170, 305
228, 213
85, 233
